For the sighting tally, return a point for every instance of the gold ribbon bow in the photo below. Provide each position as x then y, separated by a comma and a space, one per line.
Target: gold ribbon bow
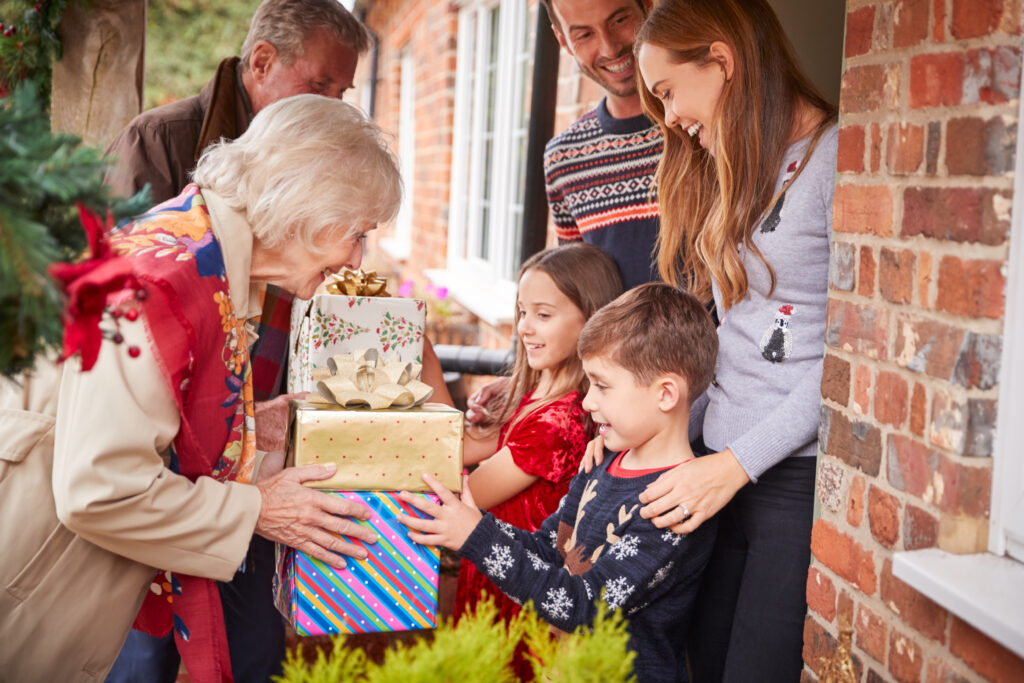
359, 379
358, 283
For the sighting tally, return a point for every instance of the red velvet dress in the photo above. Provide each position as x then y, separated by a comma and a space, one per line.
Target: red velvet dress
549, 443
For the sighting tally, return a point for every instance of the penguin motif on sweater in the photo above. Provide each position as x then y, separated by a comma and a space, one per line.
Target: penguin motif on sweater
774, 217
777, 342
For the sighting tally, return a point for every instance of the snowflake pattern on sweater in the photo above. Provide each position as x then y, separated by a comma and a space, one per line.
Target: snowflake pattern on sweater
597, 547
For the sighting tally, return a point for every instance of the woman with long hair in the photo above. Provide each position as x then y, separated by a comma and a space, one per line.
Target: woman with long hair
746, 184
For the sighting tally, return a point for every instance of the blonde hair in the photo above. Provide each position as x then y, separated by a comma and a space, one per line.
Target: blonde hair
711, 202
307, 165
589, 279
288, 24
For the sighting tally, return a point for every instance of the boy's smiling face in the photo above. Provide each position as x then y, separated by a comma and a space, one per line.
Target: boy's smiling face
623, 410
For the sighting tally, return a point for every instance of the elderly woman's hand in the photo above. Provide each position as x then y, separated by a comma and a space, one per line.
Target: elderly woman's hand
305, 518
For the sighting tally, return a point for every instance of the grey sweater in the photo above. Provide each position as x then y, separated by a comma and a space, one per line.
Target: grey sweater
764, 403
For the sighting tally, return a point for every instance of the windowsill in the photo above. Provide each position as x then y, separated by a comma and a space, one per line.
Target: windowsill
492, 302
985, 590
397, 249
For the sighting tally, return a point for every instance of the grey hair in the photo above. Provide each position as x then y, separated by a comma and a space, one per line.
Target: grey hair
288, 24
306, 167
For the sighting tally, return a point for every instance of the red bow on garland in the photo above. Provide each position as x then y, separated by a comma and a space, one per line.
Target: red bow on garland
88, 283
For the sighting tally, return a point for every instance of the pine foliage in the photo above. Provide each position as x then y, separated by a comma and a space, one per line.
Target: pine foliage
42, 177
480, 649
29, 42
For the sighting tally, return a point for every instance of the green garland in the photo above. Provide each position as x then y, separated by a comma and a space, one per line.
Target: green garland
42, 177
30, 44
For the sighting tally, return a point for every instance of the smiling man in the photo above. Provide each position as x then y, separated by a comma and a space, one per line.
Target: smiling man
600, 171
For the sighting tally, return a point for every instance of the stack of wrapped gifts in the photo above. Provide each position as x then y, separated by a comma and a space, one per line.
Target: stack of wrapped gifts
368, 415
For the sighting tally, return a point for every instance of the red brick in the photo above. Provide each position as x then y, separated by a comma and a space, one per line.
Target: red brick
971, 288
906, 660
844, 609
924, 279
896, 275
911, 23
876, 147
984, 655
844, 556
974, 18
863, 209
862, 389
851, 149
936, 80
855, 506
979, 147
957, 214
883, 516
858, 329
918, 409
927, 346
909, 464
865, 89
891, 399
821, 594
835, 380
872, 633
920, 529
866, 272
991, 76
939, 21
941, 671
905, 148
858, 444
860, 25
920, 613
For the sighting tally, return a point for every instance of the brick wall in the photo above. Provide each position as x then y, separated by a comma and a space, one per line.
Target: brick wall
927, 137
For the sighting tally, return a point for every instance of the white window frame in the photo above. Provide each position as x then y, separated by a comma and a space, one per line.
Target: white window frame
399, 245
987, 589
484, 282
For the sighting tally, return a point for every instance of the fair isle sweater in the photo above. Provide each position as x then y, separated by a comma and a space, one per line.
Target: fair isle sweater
599, 174
596, 546
764, 402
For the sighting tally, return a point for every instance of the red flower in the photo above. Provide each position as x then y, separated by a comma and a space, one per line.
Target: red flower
87, 284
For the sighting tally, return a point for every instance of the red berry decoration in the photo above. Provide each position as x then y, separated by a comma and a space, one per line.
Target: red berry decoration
141, 294
118, 338
134, 351
131, 314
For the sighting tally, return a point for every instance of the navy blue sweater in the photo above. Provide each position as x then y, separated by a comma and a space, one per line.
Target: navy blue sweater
596, 546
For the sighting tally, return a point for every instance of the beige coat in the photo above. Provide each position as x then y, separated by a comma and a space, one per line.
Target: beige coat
88, 507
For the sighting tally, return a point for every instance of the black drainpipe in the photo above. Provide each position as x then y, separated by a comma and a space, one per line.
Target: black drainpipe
533, 235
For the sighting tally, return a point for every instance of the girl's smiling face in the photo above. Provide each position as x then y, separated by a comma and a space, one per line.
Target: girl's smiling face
548, 322
689, 92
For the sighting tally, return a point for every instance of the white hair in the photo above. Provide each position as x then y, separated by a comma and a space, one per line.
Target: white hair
308, 165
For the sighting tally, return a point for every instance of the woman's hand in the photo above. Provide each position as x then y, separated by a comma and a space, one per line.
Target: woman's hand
692, 492
454, 519
478, 408
594, 455
311, 520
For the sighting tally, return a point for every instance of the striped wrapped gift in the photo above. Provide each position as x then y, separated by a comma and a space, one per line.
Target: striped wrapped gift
393, 589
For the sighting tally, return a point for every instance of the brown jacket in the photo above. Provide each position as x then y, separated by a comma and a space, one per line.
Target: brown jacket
161, 146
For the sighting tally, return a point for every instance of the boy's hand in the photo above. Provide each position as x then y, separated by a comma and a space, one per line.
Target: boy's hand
454, 519
594, 455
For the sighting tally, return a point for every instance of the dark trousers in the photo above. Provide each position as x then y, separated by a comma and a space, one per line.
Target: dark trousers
254, 627
749, 618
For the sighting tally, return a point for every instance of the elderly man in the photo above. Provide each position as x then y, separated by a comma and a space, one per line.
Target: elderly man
293, 47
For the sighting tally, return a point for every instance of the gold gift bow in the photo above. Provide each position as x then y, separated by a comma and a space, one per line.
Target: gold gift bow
358, 283
359, 379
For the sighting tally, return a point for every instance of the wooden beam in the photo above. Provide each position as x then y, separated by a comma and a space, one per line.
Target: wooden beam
97, 85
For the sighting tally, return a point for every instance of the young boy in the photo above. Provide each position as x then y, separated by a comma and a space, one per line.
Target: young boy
647, 354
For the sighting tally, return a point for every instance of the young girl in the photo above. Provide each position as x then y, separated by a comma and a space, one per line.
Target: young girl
746, 185
526, 463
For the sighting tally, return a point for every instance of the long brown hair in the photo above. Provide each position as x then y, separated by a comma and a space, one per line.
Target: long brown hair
710, 203
589, 279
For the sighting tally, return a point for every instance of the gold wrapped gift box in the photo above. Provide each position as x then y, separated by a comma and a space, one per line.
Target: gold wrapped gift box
378, 450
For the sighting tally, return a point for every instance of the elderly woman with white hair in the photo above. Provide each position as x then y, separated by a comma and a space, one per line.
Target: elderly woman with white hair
152, 448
